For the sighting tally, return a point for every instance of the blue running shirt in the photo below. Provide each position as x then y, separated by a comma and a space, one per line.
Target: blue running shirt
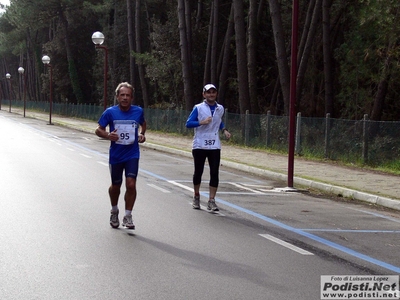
127, 124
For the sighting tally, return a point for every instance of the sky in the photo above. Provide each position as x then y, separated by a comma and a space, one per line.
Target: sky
5, 2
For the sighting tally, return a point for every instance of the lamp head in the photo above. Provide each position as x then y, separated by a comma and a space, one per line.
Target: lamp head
46, 60
98, 38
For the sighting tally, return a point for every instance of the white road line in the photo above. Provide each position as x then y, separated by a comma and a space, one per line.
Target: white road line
103, 163
70, 149
158, 188
285, 244
257, 186
250, 193
245, 188
180, 185
84, 155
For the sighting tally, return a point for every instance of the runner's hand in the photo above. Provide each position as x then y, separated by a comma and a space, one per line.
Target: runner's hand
141, 138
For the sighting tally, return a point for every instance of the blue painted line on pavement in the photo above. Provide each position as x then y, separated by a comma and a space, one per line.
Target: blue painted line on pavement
352, 230
264, 218
314, 237
299, 231
377, 215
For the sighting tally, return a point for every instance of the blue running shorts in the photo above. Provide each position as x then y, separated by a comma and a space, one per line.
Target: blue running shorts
131, 168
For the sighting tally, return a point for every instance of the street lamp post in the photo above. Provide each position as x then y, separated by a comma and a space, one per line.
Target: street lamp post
98, 40
8, 76
21, 71
293, 87
46, 62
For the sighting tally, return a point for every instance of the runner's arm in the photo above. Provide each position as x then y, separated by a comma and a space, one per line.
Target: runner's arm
142, 132
102, 132
143, 128
192, 120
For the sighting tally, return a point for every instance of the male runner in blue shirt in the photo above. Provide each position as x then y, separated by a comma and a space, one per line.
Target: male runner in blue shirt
127, 128
206, 119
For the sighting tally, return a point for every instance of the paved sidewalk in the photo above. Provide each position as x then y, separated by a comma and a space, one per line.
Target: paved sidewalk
353, 183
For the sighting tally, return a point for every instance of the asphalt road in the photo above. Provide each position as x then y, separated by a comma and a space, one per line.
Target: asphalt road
56, 242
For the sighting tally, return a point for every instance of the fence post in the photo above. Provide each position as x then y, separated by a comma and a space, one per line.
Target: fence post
365, 139
297, 146
246, 129
327, 134
156, 118
268, 130
181, 121
226, 118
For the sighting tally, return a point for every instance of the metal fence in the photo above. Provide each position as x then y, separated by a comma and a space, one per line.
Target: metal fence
351, 141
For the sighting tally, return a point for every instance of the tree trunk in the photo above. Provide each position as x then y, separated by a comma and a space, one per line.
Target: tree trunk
199, 14
141, 68
131, 41
379, 100
183, 44
306, 29
251, 54
223, 74
328, 58
241, 57
261, 12
207, 62
281, 55
307, 50
188, 21
73, 73
114, 58
214, 42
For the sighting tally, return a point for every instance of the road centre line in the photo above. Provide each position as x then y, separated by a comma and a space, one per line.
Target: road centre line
286, 244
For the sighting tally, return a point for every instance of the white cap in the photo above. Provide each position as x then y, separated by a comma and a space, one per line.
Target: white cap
209, 87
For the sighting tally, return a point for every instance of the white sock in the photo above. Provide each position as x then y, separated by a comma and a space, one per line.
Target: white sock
128, 212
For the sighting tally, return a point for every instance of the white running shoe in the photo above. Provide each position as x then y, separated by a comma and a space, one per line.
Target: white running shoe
212, 205
128, 223
114, 221
196, 202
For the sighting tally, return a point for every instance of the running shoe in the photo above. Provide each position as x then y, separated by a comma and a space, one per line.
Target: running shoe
114, 221
196, 202
128, 223
212, 205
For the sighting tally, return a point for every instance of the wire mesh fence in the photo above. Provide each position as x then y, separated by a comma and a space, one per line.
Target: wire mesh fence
351, 141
